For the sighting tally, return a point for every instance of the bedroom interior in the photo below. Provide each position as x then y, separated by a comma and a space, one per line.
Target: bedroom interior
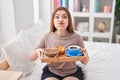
21, 28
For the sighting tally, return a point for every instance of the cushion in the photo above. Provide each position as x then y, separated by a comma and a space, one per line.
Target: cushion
35, 32
16, 51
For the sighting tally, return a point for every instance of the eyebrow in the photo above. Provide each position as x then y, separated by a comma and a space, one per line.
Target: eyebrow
59, 14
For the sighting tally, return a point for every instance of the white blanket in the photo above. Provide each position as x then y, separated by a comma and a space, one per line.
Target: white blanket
104, 61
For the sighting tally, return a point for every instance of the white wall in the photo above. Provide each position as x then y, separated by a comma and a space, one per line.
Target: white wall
46, 9
24, 15
36, 10
28, 12
7, 22
0, 34
18, 14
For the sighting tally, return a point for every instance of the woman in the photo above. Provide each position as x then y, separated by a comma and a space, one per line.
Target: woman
61, 33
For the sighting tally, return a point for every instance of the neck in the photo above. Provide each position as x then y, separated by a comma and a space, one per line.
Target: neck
61, 33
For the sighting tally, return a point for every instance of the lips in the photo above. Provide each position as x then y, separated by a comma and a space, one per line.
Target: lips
61, 23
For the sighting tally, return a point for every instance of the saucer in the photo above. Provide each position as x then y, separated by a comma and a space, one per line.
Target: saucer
73, 51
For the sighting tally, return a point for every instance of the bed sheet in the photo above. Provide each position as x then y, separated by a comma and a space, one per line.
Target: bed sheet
104, 63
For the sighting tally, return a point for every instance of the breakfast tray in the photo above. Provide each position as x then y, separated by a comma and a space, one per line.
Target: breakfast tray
62, 58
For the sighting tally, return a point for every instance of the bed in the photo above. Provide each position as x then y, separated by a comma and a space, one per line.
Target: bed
103, 64
104, 61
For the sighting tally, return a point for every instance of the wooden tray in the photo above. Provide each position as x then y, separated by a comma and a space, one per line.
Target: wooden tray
62, 58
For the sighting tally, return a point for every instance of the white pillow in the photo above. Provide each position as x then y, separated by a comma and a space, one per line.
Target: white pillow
17, 51
35, 32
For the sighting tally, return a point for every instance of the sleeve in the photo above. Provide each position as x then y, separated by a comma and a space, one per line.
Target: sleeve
81, 42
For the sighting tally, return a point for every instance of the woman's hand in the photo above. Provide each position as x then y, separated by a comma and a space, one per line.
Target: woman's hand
85, 61
35, 54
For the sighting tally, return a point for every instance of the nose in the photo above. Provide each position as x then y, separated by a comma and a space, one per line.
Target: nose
60, 19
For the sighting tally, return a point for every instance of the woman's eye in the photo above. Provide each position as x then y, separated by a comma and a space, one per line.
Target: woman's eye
57, 17
65, 17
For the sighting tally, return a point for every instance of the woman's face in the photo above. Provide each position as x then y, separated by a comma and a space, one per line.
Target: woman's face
61, 20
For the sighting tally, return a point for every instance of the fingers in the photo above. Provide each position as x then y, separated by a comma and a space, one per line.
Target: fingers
83, 49
85, 61
40, 52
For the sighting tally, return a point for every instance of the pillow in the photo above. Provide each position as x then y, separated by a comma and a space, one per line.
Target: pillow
35, 32
17, 51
